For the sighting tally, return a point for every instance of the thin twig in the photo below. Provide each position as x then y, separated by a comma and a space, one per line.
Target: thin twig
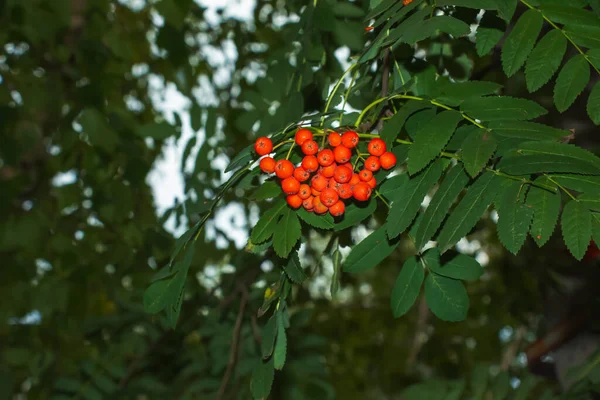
385, 81
234, 342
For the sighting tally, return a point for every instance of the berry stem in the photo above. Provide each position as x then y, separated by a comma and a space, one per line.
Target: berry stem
278, 145
290, 150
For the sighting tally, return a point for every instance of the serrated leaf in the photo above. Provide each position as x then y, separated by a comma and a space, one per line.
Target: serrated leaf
571, 81
293, 268
431, 140
454, 93
265, 226
576, 223
502, 108
545, 59
414, 21
461, 267
349, 10
267, 190
269, 332
262, 379
571, 16
279, 354
415, 123
526, 130
584, 36
582, 183
336, 259
394, 125
514, 218
356, 213
286, 233
476, 4
596, 228
593, 104
477, 149
486, 39
446, 298
506, 10
443, 23
391, 187
370, 251
324, 221
540, 163
520, 41
466, 214
560, 149
407, 287
452, 185
241, 159
591, 201
406, 203
546, 208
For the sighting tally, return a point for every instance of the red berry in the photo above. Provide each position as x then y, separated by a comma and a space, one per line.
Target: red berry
302, 135
301, 174
325, 157
365, 175
290, 185
362, 191
372, 183
310, 163
350, 139
304, 192
376, 147
327, 172
345, 191
372, 163
342, 154
319, 182
320, 208
334, 139
342, 174
337, 209
354, 180
310, 147
284, 169
294, 201
308, 203
329, 197
388, 160
267, 165
315, 192
263, 145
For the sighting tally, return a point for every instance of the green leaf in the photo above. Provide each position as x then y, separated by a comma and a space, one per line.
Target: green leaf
424, 83
266, 225
429, 28
393, 186
461, 267
394, 125
415, 123
431, 140
526, 130
502, 108
593, 104
540, 163
406, 203
293, 269
514, 218
506, 10
581, 183
241, 159
453, 184
349, 34
267, 190
280, 343
476, 4
324, 221
501, 386
454, 93
269, 332
355, 213
545, 59
520, 41
477, 149
546, 208
466, 214
525, 388
446, 298
560, 149
336, 258
348, 10
159, 131
262, 379
286, 233
486, 39
407, 287
596, 228
576, 226
370, 251
591, 201
571, 81
584, 36
571, 16
479, 380
99, 132
379, 8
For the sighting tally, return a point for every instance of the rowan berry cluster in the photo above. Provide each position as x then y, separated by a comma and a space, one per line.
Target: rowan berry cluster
325, 178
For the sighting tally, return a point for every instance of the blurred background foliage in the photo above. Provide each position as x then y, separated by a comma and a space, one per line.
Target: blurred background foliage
85, 89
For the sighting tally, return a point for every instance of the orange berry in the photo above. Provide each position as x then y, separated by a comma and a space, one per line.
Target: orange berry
294, 201
302, 135
337, 209
372, 183
342, 154
354, 180
333, 184
325, 157
290, 185
327, 172
263, 145
315, 192
362, 191
342, 174
284, 169
310, 163
376, 147
334, 139
350, 139
348, 165
345, 191
308, 203
329, 197
301, 174
304, 191
388, 160
267, 165
310, 147
406, 2
372, 163
365, 175
319, 182
320, 208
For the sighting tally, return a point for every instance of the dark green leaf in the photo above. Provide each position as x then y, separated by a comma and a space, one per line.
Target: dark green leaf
572, 16
262, 379
477, 149
159, 131
447, 298
279, 354
407, 287
526, 130
461, 267
293, 269
394, 125
286, 233
540, 163
393, 186
269, 332
585, 36
356, 213
336, 258
571, 81
545, 59
502, 108
520, 41
317, 221
454, 93
370, 251
267, 190
593, 104
546, 208
501, 386
514, 217
266, 225
576, 226
581, 183
241, 159
487, 38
